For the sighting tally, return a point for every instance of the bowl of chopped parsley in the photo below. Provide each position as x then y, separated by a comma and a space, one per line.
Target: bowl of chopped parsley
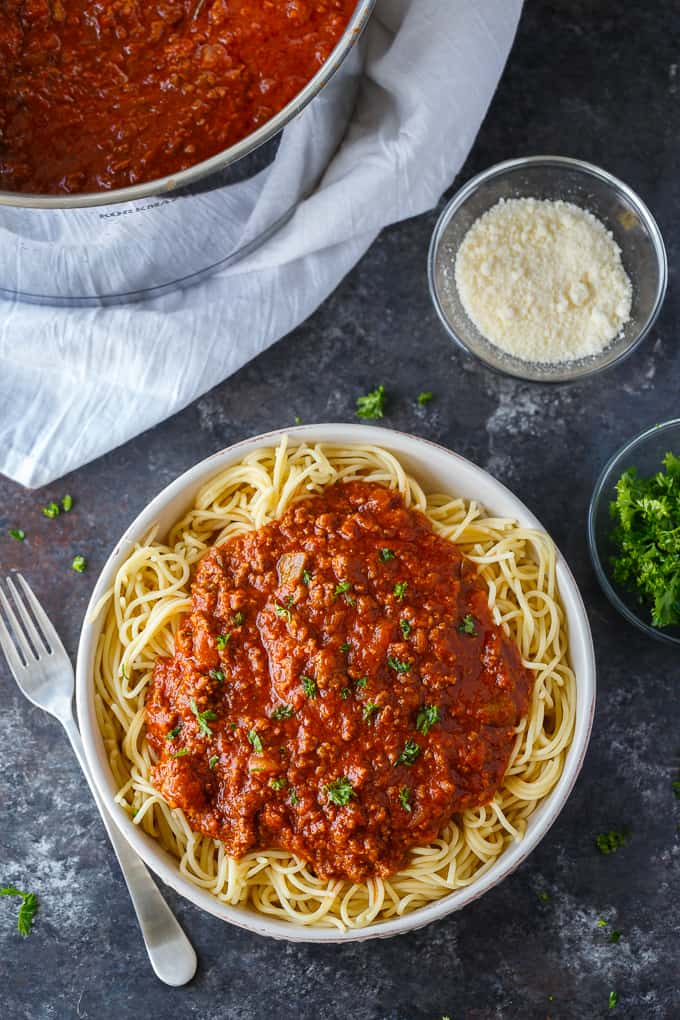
634, 531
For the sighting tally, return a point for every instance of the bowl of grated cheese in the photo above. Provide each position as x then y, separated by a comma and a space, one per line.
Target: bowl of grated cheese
547, 268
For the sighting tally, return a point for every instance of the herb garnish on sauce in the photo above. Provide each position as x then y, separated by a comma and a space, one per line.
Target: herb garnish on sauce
398, 665
409, 754
202, 718
467, 625
405, 798
254, 739
427, 717
282, 712
309, 686
340, 791
400, 590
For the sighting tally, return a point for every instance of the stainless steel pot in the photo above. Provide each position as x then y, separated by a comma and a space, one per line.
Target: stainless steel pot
136, 242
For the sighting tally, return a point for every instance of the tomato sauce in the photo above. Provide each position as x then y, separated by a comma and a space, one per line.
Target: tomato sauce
338, 690
101, 94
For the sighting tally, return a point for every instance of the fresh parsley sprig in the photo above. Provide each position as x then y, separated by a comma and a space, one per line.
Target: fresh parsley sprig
27, 910
372, 405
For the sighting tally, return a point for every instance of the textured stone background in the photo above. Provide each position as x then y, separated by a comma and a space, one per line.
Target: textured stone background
598, 80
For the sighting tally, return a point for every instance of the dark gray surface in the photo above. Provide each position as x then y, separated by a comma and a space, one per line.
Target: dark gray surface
596, 80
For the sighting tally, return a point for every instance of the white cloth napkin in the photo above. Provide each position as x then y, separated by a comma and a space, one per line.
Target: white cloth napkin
76, 382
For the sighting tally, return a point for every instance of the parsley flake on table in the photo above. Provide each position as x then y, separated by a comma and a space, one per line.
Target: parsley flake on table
309, 686
676, 788
610, 842
79, 564
646, 512
372, 405
427, 717
27, 910
52, 510
409, 754
67, 503
254, 739
340, 791
613, 999
18, 534
425, 397
202, 718
405, 798
544, 896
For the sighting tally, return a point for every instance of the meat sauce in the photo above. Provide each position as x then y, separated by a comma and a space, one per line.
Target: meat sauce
338, 690
100, 94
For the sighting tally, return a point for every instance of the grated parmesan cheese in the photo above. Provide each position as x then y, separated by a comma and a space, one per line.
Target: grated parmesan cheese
543, 280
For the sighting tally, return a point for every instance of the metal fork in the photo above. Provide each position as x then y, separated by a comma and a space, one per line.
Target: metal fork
44, 673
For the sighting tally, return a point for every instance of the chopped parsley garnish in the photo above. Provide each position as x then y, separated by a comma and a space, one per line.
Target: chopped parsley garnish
409, 754
309, 686
52, 510
386, 554
601, 923
238, 619
340, 791
676, 788
174, 732
297, 419
216, 674
284, 612
615, 936
212, 762
221, 641
427, 717
610, 842
369, 710
646, 513
401, 667
406, 627
345, 693
544, 896
18, 534
27, 910
344, 647
342, 589
254, 739
79, 564
613, 999
294, 799
405, 798
400, 590
67, 503
306, 577
467, 625
180, 753
202, 718
282, 712
362, 682
425, 397
372, 405
278, 784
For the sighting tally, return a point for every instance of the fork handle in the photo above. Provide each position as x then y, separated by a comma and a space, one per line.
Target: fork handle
171, 954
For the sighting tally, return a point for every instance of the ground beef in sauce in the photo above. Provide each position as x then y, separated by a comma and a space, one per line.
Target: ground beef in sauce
339, 689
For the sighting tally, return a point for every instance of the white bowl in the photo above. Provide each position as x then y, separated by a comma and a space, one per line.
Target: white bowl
437, 469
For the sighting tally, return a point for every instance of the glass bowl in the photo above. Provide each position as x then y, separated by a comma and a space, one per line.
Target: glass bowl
552, 178
645, 452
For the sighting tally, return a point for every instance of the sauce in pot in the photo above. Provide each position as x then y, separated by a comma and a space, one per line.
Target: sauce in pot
102, 94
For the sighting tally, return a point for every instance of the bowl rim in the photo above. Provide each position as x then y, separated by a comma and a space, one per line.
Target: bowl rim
165, 867
588, 169
598, 566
